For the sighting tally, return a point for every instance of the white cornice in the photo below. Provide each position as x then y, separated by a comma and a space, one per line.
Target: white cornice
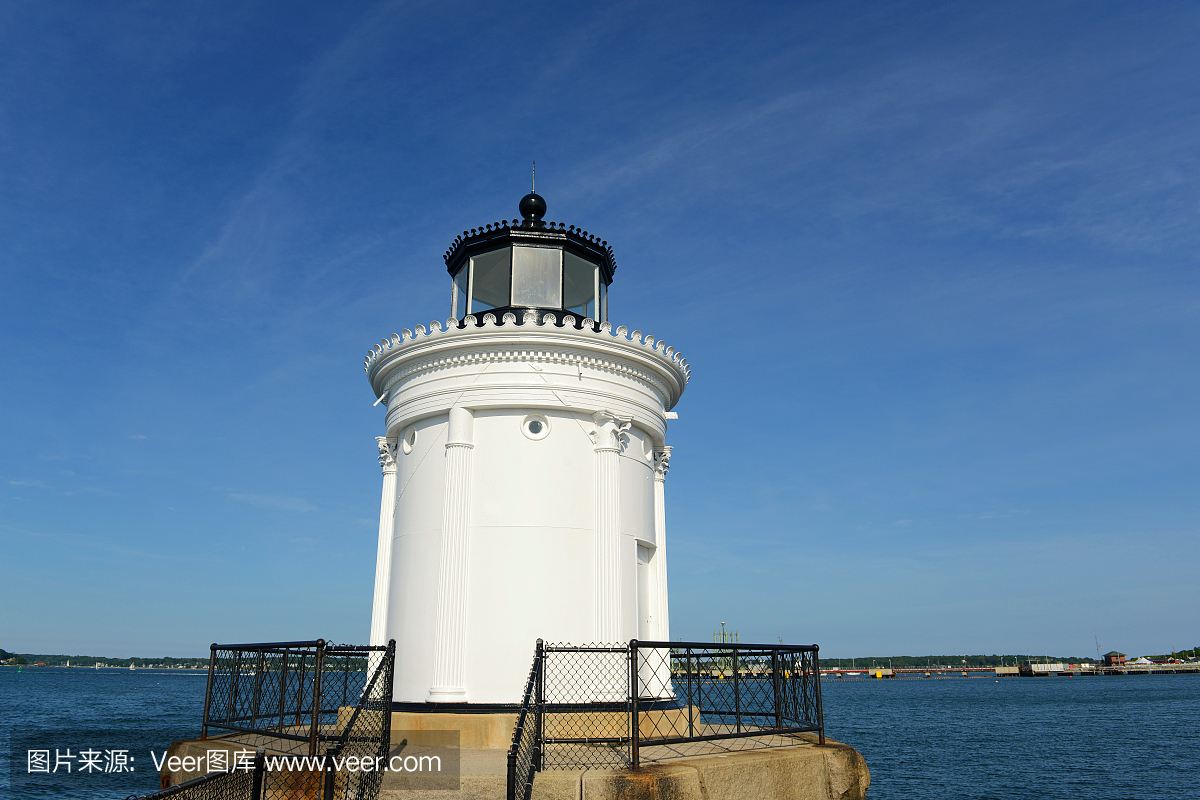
639, 357
499, 353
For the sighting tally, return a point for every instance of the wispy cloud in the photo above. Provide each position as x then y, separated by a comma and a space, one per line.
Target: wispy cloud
275, 501
38, 484
137, 436
102, 543
96, 490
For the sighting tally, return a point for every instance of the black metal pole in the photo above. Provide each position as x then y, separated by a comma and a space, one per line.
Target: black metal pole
635, 755
737, 697
314, 729
539, 741
283, 670
691, 722
258, 676
235, 674
330, 776
390, 655
816, 656
511, 793
775, 684
346, 678
260, 769
212, 660
300, 688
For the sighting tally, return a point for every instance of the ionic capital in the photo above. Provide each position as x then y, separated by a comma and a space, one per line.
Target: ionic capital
611, 432
662, 463
387, 453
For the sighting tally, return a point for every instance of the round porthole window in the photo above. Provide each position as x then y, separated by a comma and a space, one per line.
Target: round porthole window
535, 426
409, 440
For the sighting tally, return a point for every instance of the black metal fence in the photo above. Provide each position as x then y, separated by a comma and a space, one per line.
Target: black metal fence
287, 692
305, 707
238, 784
524, 756
363, 730
611, 705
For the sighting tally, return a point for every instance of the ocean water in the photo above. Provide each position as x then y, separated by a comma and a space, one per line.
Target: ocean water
1101, 738
1109, 738
73, 710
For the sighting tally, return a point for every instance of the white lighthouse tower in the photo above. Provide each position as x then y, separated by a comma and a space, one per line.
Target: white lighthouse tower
524, 459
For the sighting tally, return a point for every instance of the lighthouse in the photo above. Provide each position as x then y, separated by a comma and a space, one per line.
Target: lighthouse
524, 460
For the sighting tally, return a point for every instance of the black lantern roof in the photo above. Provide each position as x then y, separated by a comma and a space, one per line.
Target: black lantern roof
531, 230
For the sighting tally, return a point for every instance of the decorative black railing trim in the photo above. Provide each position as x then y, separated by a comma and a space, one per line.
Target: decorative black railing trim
481, 239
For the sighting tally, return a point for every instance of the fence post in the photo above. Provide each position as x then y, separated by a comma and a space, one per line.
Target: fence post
775, 683
511, 792
300, 687
737, 698
260, 769
635, 729
212, 659
314, 728
235, 675
539, 700
390, 655
330, 777
283, 670
816, 656
691, 724
259, 668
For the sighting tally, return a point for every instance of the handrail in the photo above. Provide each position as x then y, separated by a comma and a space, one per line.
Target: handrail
268, 645
532, 700
679, 645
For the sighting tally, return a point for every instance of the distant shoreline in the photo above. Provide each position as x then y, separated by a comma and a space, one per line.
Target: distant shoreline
104, 666
9, 659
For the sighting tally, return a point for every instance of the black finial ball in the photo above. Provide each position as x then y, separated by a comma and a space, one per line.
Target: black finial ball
533, 207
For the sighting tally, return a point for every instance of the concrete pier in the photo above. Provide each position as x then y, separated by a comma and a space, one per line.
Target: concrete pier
764, 768
804, 771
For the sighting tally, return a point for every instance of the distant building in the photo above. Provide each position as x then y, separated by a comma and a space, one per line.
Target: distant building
1114, 659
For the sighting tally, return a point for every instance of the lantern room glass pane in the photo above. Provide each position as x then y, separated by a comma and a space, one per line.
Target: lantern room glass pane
489, 280
537, 277
579, 285
460, 292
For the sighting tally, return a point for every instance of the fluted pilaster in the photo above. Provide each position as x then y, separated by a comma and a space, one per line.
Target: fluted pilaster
662, 463
608, 437
450, 632
383, 556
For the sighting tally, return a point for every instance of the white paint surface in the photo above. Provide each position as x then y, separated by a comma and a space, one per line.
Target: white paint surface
527, 536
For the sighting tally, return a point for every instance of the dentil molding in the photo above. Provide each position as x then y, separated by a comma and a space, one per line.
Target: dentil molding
633, 355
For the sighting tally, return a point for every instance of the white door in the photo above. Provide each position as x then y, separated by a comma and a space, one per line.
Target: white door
645, 556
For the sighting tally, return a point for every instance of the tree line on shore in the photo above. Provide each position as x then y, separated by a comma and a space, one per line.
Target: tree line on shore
162, 662
960, 661
897, 662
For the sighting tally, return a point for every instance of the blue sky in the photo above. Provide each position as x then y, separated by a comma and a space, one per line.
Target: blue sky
934, 267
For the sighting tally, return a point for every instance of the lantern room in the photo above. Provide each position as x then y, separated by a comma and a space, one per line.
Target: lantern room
530, 264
